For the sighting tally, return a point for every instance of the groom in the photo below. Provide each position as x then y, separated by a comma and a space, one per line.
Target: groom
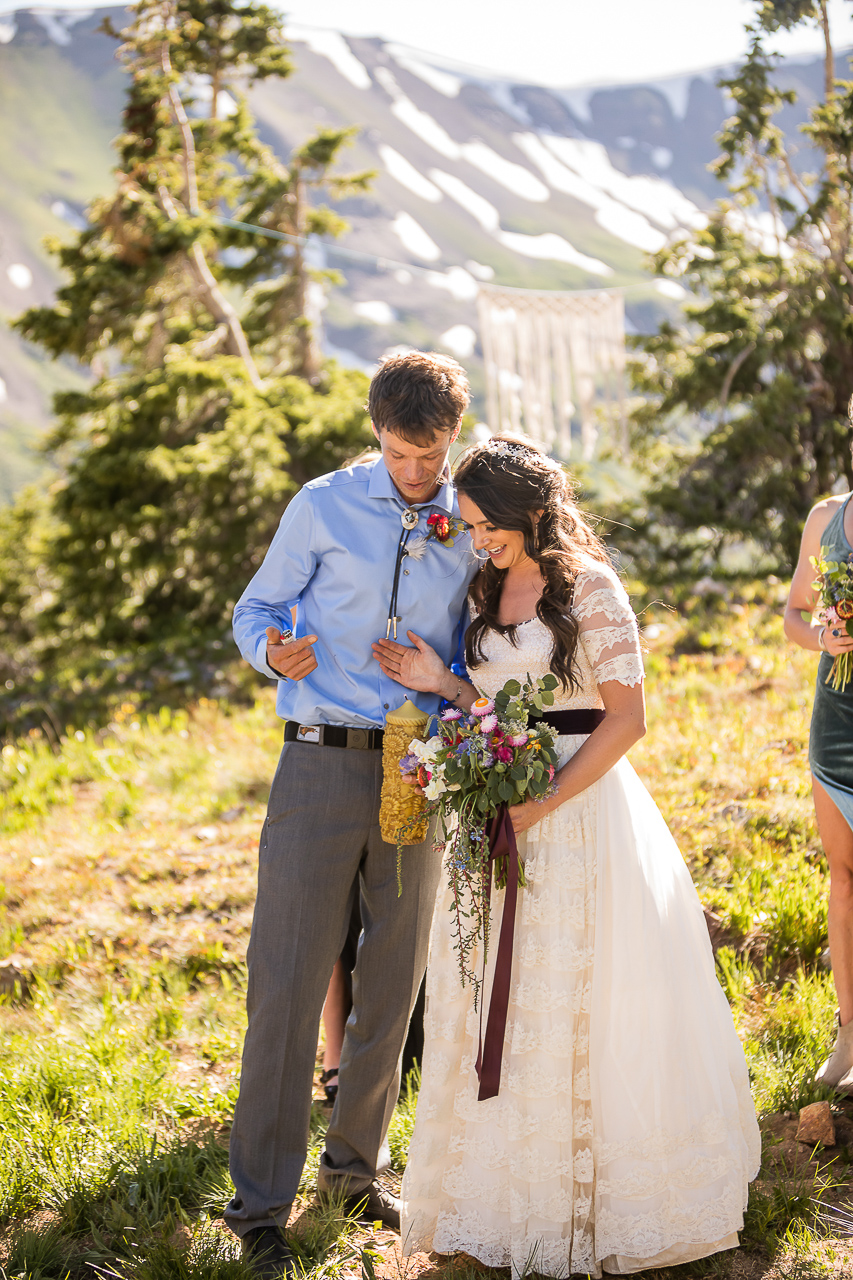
357, 556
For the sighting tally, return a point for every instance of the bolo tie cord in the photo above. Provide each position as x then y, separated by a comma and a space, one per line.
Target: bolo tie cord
393, 616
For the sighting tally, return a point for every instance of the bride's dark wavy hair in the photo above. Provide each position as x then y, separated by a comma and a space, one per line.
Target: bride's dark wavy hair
511, 481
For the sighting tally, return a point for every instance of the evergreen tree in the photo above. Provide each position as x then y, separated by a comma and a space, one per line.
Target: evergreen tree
764, 362
211, 402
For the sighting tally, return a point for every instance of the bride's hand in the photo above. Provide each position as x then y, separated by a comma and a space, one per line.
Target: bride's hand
411, 780
420, 668
523, 816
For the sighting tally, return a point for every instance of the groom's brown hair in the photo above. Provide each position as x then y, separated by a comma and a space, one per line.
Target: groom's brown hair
418, 395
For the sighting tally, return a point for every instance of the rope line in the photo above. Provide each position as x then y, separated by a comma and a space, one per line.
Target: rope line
391, 264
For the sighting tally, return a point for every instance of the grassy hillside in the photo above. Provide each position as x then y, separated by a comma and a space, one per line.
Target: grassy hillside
127, 887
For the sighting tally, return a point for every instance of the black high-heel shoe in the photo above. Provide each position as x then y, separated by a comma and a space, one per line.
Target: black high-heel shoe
331, 1090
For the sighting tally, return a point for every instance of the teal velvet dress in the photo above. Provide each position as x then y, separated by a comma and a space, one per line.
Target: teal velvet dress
831, 738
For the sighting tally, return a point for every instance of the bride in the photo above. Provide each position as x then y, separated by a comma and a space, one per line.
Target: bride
623, 1135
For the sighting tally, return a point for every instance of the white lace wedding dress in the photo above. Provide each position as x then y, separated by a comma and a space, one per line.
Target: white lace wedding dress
624, 1134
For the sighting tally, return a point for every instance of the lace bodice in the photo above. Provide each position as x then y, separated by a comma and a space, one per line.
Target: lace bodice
609, 646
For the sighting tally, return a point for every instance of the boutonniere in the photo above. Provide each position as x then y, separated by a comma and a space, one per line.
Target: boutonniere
443, 529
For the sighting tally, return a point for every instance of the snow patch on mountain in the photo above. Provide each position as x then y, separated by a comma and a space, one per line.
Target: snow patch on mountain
57, 22
556, 174
620, 221
458, 282
407, 175
501, 93
480, 270
377, 312
19, 275
460, 340
481, 209
764, 230
553, 246
654, 197
420, 122
630, 227
413, 238
332, 45
671, 289
442, 81
515, 177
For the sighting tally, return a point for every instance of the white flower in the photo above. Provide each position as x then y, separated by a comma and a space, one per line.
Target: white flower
435, 787
426, 751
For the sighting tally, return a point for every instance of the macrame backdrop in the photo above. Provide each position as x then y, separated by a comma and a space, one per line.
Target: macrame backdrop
553, 360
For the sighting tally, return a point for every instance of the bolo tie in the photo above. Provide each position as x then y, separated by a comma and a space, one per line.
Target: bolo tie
409, 520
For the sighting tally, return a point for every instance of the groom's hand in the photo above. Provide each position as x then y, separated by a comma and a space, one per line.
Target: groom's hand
419, 668
291, 658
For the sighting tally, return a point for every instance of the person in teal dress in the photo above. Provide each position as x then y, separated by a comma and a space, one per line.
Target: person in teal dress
829, 529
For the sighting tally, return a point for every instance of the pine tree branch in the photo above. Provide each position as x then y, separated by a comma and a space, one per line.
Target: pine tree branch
732, 372
829, 56
212, 296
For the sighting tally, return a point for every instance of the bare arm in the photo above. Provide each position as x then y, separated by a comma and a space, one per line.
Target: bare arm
803, 598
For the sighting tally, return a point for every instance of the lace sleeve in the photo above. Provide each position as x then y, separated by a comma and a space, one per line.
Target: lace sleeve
608, 627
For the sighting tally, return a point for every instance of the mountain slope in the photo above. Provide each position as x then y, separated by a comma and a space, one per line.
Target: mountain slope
477, 179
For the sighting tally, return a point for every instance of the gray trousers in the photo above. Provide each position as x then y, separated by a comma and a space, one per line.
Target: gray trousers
320, 847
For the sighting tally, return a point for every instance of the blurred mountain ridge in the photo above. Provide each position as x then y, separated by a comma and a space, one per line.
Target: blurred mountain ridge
478, 179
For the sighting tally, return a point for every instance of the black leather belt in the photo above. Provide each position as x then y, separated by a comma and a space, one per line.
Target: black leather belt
334, 735
580, 720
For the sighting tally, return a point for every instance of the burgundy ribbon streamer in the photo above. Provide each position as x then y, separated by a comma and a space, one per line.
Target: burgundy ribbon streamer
501, 837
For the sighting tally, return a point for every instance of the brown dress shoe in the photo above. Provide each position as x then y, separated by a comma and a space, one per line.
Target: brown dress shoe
372, 1204
267, 1254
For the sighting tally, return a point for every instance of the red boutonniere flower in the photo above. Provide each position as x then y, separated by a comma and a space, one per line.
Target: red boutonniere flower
440, 526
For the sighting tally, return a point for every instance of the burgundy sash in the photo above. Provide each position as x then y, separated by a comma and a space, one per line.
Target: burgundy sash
501, 837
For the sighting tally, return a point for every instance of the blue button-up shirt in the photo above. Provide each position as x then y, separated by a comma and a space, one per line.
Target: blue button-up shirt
333, 559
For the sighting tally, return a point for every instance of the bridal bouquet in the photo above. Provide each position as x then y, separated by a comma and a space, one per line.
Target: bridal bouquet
471, 769
834, 582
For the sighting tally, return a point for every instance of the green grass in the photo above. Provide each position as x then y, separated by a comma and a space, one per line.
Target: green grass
126, 889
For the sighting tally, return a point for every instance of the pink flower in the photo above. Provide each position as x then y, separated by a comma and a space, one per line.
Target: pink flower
550, 773
519, 739
488, 723
452, 713
504, 753
482, 707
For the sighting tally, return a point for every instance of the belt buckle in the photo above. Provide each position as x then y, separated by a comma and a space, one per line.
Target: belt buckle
358, 738
308, 733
